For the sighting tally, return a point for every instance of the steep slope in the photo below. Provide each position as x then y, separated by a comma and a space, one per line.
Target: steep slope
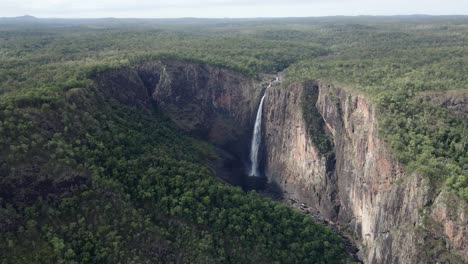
97, 174
398, 218
209, 102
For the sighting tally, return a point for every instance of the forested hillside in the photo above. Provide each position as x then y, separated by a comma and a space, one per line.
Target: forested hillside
85, 179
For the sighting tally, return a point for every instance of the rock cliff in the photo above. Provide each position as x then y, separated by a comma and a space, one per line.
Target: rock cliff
212, 103
397, 217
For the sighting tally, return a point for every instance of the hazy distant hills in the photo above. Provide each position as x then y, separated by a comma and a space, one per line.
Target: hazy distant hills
193, 22
20, 18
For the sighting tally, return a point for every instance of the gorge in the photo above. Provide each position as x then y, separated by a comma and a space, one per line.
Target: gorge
257, 140
358, 185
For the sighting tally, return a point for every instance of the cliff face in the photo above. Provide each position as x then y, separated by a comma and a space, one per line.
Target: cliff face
291, 159
396, 217
213, 103
210, 102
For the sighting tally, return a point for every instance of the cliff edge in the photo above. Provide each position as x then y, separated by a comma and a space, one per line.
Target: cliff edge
396, 217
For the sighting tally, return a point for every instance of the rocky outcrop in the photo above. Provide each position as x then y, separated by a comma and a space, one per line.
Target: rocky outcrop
398, 218
449, 214
456, 102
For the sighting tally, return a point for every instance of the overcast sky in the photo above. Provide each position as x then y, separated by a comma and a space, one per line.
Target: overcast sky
226, 8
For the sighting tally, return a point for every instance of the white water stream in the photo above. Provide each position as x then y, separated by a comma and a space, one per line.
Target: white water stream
257, 137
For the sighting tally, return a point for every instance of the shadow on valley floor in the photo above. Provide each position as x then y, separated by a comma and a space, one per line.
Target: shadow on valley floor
232, 170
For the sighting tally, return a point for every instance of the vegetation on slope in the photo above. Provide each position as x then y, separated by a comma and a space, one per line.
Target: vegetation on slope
394, 66
84, 179
88, 180
315, 122
125, 186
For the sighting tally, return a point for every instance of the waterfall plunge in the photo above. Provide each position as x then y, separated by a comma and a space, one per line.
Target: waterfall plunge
256, 139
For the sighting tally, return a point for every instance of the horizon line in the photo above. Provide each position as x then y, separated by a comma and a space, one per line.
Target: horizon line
259, 17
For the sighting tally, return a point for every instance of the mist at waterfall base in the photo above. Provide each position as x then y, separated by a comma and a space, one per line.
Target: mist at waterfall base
246, 170
234, 168
255, 180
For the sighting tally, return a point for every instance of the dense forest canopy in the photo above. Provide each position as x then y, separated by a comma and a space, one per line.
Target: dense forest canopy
120, 184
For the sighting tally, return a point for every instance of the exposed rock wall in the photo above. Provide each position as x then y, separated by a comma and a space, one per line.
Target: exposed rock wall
210, 102
367, 191
396, 217
291, 159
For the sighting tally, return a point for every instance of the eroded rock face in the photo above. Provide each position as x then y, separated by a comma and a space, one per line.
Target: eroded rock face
212, 103
450, 215
291, 159
396, 217
367, 192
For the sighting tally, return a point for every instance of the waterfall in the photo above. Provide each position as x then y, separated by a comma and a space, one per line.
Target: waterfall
256, 139
257, 136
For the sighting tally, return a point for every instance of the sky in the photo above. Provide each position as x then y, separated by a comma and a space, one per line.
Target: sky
226, 8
